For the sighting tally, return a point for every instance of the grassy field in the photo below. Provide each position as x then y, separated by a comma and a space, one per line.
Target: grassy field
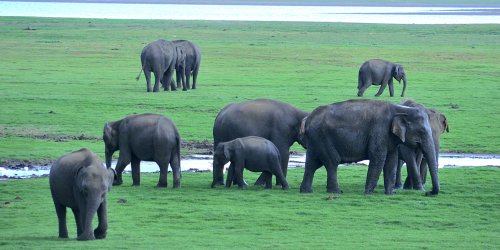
466, 215
62, 79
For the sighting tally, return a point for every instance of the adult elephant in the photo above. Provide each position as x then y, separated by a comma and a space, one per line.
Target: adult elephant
415, 163
190, 66
380, 72
356, 130
80, 181
274, 120
147, 137
161, 58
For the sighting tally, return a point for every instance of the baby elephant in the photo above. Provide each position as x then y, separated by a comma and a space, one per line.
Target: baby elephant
253, 153
80, 181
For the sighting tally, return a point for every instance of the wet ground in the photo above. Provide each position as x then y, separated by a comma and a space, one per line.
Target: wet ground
203, 163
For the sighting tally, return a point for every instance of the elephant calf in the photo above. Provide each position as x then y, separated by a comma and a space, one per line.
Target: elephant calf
380, 72
253, 153
80, 181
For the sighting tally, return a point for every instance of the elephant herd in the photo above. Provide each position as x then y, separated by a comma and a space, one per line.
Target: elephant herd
164, 57
257, 135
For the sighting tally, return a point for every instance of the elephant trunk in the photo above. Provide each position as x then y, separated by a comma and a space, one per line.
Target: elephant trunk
430, 155
90, 209
108, 159
404, 86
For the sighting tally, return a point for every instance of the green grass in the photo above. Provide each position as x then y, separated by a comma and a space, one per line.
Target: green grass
195, 216
67, 77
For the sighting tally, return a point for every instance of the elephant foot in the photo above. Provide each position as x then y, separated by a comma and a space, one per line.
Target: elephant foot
117, 182
63, 236
177, 184
432, 193
304, 189
242, 186
334, 190
390, 192
136, 184
285, 187
99, 234
161, 185
184, 89
89, 236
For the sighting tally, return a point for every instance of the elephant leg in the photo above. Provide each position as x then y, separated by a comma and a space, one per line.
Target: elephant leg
312, 164
168, 74
280, 177
230, 176
178, 77
413, 178
285, 155
423, 171
187, 74
136, 171
399, 182
391, 87
374, 170
147, 75
382, 88
163, 164
158, 77
195, 76
239, 166
269, 180
78, 221
390, 172
102, 215
61, 217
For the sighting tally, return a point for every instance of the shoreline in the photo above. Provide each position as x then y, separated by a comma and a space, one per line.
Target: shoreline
267, 3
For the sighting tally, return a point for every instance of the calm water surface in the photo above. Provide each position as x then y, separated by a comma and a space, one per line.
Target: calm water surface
395, 15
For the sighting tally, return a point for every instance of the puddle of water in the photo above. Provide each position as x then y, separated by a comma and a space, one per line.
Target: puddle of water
203, 163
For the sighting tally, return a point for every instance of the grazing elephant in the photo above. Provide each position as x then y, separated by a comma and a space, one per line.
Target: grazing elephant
191, 64
416, 166
80, 181
161, 58
276, 121
253, 153
356, 130
147, 137
380, 72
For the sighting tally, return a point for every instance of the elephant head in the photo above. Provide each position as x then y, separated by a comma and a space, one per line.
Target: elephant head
111, 140
399, 74
222, 155
413, 129
92, 184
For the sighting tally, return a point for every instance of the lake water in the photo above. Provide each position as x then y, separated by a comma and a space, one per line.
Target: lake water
203, 163
349, 14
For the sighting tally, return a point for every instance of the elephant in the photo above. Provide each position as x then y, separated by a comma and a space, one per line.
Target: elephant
273, 120
380, 72
416, 165
191, 64
356, 130
160, 57
147, 137
253, 153
80, 181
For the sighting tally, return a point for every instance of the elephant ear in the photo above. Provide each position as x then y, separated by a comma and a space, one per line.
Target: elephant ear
444, 123
107, 131
398, 126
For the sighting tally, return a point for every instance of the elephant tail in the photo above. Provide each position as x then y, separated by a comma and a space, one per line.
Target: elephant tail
139, 76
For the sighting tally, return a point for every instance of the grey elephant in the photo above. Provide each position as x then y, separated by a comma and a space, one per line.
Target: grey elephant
160, 57
190, 66
380, 72
146, 137
273, 120
415, 163
253, 153
80, 181
356, 130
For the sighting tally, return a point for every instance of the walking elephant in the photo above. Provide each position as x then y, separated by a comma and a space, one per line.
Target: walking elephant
253, 153
380, 72
356, 130
80, 181
146, 137
415, 163
273, 120
190, 66
160, 57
